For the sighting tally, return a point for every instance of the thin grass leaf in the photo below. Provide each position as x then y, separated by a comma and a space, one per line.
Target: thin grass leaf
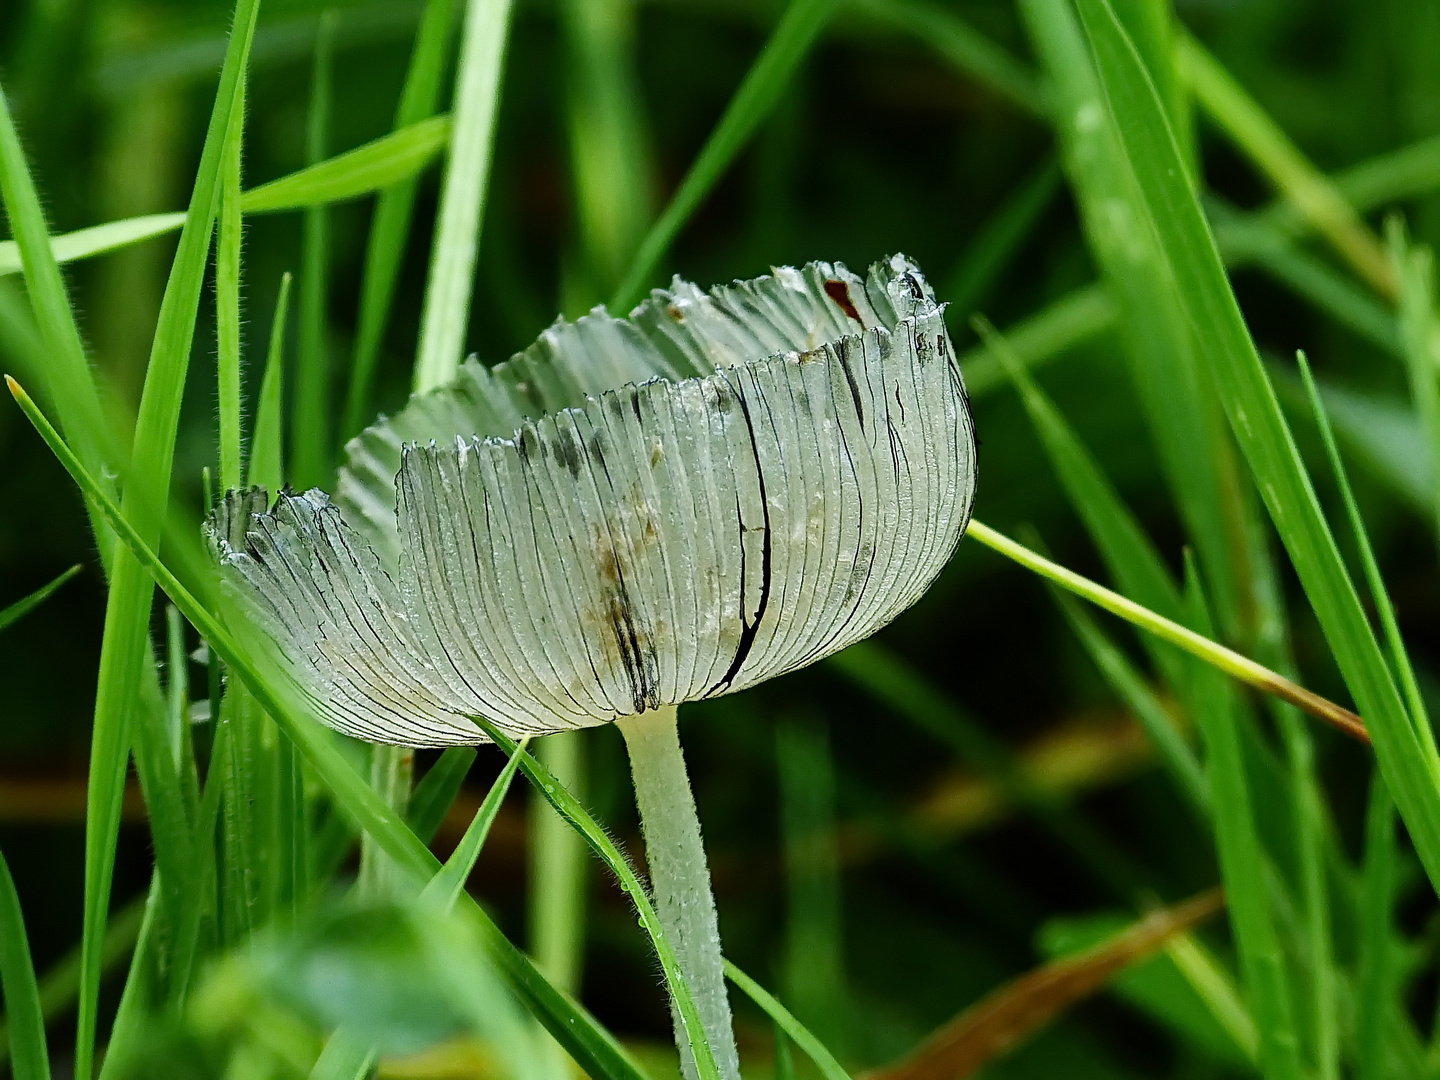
592, 1047
96, 240
1016, 1011
1377, 984
558, 869
227, 299
1252, 130
125, 1032
29, 1057
436, 792
310, 436
125, 641
267, 443
611, 159
963, 47
447, 885
1227, 660
814, 1049
756, 96
1411, 770
1042, 337
1000, 238
599, 841
375, 166
13, 613
390, 227
1242, 860
345, 1057
462, 196
1389, 625
1419, 332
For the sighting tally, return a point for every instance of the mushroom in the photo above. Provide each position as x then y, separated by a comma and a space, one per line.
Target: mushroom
629, 515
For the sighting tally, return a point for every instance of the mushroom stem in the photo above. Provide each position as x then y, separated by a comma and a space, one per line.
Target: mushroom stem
680, 878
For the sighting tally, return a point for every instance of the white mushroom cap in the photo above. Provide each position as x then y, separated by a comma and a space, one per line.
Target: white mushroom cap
724, 487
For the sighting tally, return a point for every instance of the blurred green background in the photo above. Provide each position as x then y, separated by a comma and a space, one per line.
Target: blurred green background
867, 861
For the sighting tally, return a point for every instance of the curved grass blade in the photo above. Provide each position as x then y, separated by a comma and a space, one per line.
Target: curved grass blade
1227, 660
345, 1057
435, 793
1411, 769
462, 196
267, 446
814, 1049
394, 209
568, 807
446, 886
756, 96
95, 240
1006, 1017
29, 1058
592, 1047
13, 613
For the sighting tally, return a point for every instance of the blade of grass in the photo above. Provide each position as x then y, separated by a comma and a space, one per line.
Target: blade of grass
345, 1057
310, 436
436, 792
1016, 1011
29, 1056
447, 885
599, 841
1253, 132
762, 86
1227, 660
1375, 990
380, 164
1042, 337
123, 647
593, 1048
558, 869
462, 195
267, 444
227, 298
13, 613
1419, 331
1410, 769
1000, 238
390, 227
1242, 860
814, 1049
1216, 987
964, 47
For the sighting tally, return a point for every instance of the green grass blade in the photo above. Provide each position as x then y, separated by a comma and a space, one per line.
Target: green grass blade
390, 227
1415, 269
963, 47
29, 1057
757, 94
13, 613
592, 1047
435, 793
310, 436
558, 868
376, 166
462, 196
999, 239
267, 444
609, 149
1180, 411
345, 1057
1242, 864
1217, 655
1375, 990
1042, 337
123, 647
1257, 135
446, 886
1132, 689
227, 300
96, 240
1390, 626
814, 1049
1410, 769
599, 841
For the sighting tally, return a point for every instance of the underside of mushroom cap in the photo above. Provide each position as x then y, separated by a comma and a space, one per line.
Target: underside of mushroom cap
794, 477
